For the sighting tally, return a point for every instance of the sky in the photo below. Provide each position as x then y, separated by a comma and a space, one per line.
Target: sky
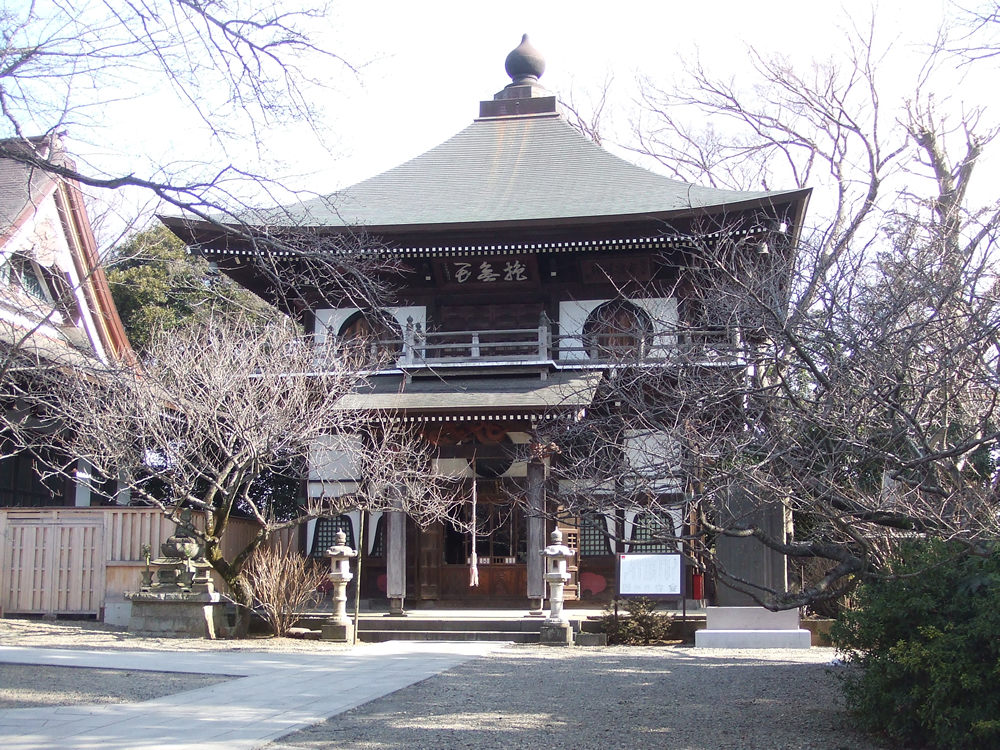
420, 70
425, 66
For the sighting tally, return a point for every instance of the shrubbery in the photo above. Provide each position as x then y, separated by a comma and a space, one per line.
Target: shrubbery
637, 622
929, 650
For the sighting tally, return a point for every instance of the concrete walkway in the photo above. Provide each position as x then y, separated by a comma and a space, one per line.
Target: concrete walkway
275, 694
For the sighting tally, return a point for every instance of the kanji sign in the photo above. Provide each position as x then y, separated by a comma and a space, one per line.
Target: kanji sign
487, 270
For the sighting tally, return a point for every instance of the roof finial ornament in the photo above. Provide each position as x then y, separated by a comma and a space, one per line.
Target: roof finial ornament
524, 64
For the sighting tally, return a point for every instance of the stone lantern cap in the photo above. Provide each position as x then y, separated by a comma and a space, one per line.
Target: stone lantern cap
340, 550
557, 549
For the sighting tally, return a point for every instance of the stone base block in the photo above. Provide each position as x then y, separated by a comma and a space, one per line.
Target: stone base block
752, 639
118, 613
192, 619
341, 633
591, 639
556, 635
751, 618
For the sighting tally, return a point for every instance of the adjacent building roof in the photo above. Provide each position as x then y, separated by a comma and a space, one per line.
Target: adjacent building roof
535, 167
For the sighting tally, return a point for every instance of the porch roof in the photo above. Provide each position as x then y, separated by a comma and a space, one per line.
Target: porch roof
519, 394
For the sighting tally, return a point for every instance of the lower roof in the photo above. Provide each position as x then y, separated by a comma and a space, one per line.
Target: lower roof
515, 395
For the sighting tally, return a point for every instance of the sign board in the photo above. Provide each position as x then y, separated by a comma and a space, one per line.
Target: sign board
650, 575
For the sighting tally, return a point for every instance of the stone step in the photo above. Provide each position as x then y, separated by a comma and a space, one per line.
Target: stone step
524, 625
380, 636
426, 624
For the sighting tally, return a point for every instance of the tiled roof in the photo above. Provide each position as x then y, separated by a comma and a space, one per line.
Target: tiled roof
512, 169
20, 186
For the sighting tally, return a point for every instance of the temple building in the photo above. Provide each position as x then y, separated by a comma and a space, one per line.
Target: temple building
532, 260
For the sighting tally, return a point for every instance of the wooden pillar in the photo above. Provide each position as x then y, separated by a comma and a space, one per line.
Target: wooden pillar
536, 536
395, 563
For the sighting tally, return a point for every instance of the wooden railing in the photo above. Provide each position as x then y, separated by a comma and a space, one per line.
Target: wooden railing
420, 348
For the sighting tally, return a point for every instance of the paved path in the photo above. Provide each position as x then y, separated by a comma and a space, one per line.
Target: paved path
275, 694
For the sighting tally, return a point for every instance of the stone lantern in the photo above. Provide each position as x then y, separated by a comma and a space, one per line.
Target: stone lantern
339, 627
556, 629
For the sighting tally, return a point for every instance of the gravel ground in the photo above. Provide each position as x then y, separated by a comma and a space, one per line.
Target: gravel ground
605, 699
522, 697
32, 686
89, 635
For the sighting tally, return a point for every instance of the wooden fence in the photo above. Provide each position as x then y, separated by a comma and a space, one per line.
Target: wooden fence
81, 561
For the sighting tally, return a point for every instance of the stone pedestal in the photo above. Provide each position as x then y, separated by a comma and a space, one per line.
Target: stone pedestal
177, 614
182, 601
342, 632
556, 634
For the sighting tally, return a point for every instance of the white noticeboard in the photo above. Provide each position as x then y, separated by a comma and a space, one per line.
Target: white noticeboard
641, 575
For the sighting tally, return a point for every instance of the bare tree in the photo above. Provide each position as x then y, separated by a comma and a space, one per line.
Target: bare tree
215, 412
849, 381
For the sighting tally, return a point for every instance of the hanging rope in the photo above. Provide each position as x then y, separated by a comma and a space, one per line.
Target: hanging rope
474, 565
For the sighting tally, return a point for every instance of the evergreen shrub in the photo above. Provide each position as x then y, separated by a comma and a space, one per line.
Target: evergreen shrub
637, 622
927, 644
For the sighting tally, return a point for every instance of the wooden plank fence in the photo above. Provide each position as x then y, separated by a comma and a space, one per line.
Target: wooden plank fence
81, 561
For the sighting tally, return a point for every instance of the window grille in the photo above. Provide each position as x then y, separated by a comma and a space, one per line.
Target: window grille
594, 535
326, 530
649, 527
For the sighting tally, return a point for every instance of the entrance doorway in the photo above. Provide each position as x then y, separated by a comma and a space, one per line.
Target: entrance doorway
501, 550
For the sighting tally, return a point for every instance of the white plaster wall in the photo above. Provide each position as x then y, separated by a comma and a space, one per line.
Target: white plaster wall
335, 457
663, 312
44, 240
310, 534
585, 487
81, 482
371, 528
676, 517
655, 455
331, 320
333, 466
573, 316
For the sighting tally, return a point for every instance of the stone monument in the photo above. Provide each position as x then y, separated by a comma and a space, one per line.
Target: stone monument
182, 601
339, 627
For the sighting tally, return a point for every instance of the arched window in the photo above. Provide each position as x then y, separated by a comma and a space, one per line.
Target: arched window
650, 531
375, 334
326, 530
618, 329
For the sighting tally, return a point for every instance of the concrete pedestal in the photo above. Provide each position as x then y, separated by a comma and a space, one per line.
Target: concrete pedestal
178, 614
556, 634
751, 627
752, 639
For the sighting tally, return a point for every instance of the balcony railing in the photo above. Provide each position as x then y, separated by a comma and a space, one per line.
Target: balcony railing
420, 348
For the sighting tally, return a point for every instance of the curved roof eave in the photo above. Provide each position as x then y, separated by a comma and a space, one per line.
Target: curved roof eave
771, 199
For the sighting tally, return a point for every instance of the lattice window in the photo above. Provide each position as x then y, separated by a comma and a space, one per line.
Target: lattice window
649, 529
594, 535
326, 530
